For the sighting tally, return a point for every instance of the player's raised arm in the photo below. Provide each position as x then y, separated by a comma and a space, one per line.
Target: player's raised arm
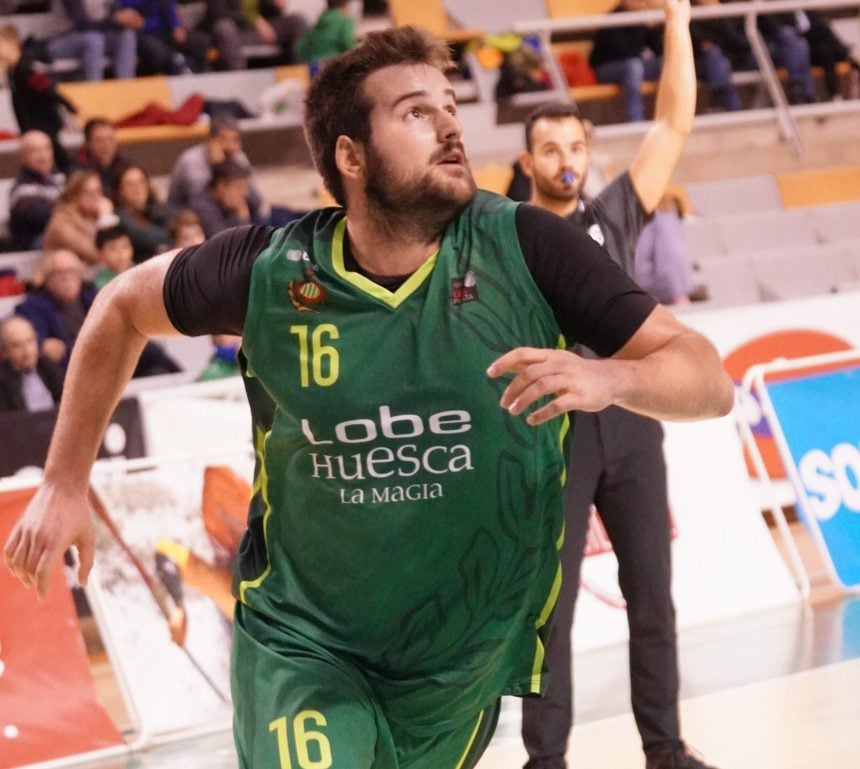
666, 370
125, 314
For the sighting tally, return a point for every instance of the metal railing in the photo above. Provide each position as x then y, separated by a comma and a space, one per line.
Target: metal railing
751, 10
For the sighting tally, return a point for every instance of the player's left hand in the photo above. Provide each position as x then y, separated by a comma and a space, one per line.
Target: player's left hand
579, 384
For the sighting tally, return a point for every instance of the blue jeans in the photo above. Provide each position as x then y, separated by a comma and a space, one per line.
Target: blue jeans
715, 71
789, 49
630, 74
91, 46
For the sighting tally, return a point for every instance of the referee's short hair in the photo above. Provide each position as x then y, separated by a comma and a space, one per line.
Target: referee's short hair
556, 110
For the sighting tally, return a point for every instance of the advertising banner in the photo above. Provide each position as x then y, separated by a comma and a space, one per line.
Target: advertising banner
817, 420
166, 535
48, 704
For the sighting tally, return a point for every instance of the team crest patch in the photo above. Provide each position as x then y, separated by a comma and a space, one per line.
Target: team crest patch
464, 289
306, 293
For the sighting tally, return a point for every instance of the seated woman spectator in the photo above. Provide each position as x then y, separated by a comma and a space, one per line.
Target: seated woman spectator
142, 215
76, 217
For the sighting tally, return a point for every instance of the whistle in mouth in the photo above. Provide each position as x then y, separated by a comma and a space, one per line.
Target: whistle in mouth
567, 177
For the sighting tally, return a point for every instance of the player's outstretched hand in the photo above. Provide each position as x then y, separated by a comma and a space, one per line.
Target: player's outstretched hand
54, 520
578, 384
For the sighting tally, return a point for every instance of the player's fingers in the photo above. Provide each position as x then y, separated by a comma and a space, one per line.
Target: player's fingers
552, 409
86, 554
43, 569
521, 383
515, 360
19, 558
11, 546
548, 384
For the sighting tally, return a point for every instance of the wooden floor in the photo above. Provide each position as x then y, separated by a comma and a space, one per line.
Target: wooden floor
802, 721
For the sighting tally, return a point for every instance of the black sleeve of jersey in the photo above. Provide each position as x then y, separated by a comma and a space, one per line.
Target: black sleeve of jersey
594, 302
206, 286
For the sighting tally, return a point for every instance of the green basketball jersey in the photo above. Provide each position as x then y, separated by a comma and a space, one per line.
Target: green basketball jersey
400, 516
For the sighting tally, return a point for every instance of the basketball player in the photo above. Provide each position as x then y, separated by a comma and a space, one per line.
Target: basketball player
402, 360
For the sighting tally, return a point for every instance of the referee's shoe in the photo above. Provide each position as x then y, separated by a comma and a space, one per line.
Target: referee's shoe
677, 756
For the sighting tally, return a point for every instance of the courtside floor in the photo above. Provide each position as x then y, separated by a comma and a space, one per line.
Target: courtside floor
778, 690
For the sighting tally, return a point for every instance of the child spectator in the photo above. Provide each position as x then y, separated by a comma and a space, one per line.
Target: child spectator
332, 35
115, 253
185, 229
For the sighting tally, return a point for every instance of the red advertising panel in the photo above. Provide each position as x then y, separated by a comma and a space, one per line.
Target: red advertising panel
48, 705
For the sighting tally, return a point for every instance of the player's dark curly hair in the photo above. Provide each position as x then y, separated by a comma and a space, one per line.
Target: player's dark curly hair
337, 104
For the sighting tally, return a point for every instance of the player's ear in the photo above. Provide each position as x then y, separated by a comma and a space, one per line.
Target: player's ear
349, 157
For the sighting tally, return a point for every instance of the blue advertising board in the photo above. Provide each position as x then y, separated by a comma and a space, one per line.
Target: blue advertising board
818, 416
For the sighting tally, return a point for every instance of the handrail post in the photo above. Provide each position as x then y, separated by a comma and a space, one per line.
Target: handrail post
787, 124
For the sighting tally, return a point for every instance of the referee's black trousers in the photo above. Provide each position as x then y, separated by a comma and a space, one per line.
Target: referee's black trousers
616, 463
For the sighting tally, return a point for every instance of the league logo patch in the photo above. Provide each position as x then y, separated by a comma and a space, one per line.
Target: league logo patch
306, 293
464, 289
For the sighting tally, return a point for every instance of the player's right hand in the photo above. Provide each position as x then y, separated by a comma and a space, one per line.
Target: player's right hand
54, 520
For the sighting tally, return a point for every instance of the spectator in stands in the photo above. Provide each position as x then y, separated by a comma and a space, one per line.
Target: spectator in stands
628, 56
235, 23
164, 44
28, 381
99, 152
57, 310
227, 201
185, 229
35, 192
661, 262
89, 31
784, 35
192, 171
721, 47
76, 218
116, 253
36, 102
58, 307
826, 50
143, 216
332, 35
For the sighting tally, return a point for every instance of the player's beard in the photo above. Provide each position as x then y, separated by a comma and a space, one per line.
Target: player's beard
426, 201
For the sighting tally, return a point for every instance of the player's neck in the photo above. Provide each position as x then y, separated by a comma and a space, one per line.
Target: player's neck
388, 245
563, 208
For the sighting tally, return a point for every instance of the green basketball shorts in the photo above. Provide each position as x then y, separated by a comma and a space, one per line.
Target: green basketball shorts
299, 706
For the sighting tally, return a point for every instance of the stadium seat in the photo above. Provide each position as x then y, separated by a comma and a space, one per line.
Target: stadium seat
803, 271
838, 222
819, 186
743, 194
432, 15
729, 281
